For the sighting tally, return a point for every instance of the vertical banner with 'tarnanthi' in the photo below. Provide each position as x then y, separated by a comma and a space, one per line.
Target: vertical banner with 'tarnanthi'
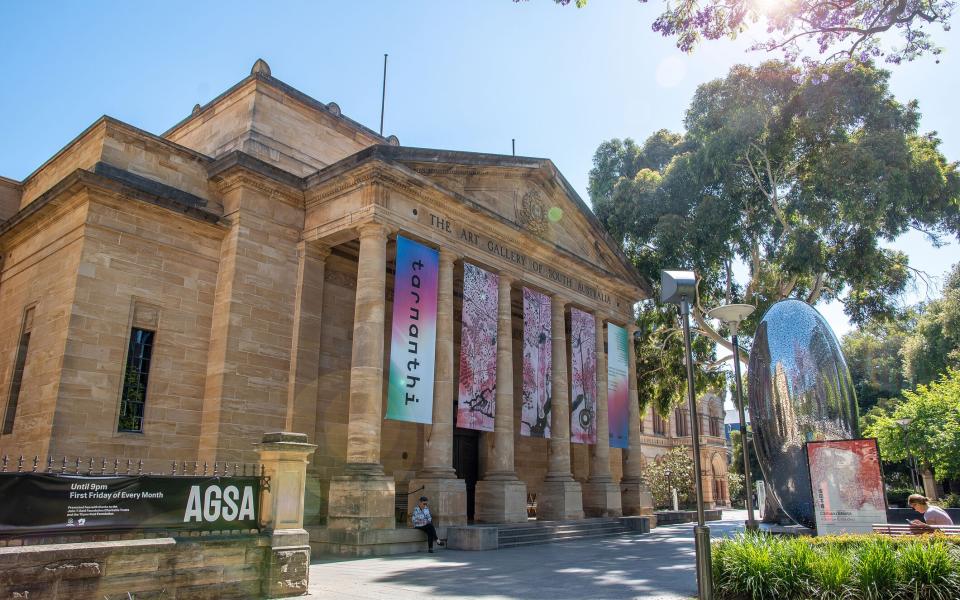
414, 333
537, 364
618, 386
477, 396
583, 376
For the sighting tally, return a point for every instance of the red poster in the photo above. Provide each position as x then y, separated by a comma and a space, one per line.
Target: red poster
847, 484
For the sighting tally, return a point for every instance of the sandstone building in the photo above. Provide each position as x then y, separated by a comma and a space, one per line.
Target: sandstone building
174, 297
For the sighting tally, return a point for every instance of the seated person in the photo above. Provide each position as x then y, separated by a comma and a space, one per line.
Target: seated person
423, 520
933, 515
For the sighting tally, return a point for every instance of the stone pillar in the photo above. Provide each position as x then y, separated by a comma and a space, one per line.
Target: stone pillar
635, 494
448, 495
302, 385
929, 484
601, 496
560, 496
500, 496
363, 497
284, 457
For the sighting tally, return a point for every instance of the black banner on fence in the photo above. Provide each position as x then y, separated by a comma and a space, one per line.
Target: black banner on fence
39, 503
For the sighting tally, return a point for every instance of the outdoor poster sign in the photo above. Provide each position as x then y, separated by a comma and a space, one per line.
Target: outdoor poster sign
42, 502
847, 484
618, 386
583, 371
413, 339
477, 388
537, 365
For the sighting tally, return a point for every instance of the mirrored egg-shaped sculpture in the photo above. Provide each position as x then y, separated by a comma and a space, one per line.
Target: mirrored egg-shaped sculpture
800, 390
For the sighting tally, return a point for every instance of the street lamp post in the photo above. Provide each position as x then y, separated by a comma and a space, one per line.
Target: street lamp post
911, 462
732, 315
679, 287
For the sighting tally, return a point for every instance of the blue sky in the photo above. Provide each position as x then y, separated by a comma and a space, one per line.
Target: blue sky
463, 75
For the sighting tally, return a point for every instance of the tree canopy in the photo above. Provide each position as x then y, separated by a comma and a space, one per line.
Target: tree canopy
801, 175
933, 345
933, 432
891, 30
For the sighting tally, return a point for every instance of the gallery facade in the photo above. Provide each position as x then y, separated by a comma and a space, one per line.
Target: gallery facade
171, 298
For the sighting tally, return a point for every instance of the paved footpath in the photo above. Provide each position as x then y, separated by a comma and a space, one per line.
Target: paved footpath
656, 566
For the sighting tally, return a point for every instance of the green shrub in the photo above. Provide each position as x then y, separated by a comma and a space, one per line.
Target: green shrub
898, 496
949, 501
755, 566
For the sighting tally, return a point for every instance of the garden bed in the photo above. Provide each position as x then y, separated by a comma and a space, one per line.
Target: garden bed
869, 567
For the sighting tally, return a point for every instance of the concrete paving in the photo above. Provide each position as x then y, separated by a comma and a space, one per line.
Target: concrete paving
656, 566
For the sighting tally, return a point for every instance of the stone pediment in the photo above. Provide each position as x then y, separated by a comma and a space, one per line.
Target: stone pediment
531, 194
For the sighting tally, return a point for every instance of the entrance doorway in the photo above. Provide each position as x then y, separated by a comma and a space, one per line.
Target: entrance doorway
466, 462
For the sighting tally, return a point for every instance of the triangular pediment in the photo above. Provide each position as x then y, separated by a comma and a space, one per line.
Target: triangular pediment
530, 193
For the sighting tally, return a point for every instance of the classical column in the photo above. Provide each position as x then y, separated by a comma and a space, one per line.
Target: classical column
500, 496
448, 495
634, 493
363, 497
601, 496
560, 497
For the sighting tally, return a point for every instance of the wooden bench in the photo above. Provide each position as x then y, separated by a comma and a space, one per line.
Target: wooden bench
905, 529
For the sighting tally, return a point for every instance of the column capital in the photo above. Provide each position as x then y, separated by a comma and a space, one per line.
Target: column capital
505, 279
314, 250
561, 300
448, 256
373, 229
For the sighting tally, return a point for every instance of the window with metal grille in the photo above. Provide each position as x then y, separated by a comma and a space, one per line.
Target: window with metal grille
135, 378
659, 424
10, 414
679, 416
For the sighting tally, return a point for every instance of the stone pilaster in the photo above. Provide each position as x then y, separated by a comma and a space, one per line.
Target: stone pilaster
635, 495
302, 386
448, 495
500, 496
284, 457
560, 497
363, 496
601, 495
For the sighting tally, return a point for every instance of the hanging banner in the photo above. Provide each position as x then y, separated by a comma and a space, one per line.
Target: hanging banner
583, 376
848, 495
476, 399
535, 411
414, 334
618, 386
49, 503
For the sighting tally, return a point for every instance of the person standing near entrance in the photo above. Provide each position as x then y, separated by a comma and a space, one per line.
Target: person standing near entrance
423, 520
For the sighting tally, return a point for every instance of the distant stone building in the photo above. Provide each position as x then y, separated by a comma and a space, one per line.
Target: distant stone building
174, 297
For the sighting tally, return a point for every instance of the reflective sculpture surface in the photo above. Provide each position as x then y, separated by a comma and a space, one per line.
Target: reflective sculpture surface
800, 390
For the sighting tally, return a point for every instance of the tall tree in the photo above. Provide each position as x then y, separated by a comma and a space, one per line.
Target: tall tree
800, 175
933, 431
874, 356
934, 344
830, 30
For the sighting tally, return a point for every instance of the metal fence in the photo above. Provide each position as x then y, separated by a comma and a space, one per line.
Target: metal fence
104, 467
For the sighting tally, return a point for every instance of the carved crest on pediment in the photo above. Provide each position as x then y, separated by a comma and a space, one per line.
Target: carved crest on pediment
532, 212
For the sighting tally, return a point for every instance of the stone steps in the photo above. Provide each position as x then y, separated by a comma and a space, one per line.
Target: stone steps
528, 534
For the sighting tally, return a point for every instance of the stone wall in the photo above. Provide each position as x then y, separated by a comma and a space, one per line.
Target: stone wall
160, 568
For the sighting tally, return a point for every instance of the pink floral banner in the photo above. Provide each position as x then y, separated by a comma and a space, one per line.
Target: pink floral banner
535, 411
476, 400
583, 376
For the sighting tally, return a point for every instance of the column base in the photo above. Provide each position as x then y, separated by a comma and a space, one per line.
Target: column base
448, 501
560, 501
500, 501
288, 568
362, 498
602, 499
636, 498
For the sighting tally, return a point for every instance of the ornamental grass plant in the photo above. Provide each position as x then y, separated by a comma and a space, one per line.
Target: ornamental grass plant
758, 566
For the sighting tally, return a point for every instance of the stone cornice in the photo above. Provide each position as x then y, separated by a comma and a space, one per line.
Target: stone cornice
106, 182
240, 170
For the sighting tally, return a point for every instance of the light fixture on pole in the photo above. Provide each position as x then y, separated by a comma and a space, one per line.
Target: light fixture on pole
732, 315
679, 287
911, 462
